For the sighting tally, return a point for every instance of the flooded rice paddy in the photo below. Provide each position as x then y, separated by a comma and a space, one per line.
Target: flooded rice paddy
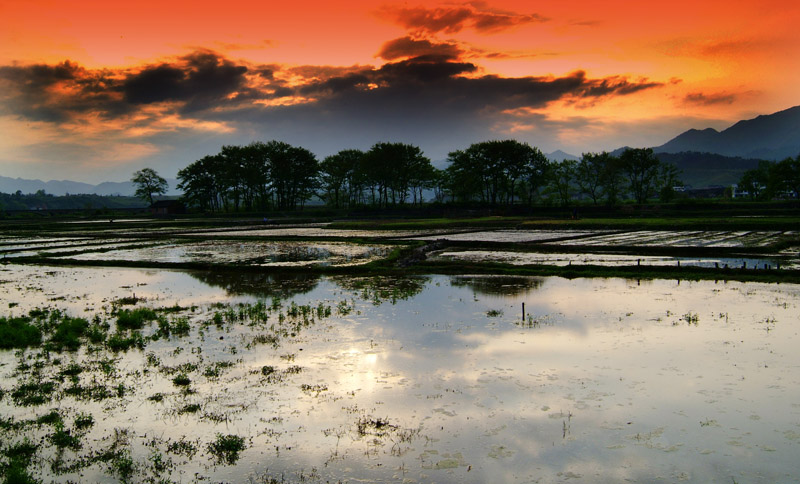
164, 375
605, 260
316, 245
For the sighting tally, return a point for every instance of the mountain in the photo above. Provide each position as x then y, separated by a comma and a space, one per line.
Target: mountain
559, 155
770, 137
62, 187
708, 169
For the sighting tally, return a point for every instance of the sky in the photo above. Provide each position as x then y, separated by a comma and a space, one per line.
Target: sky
93, 91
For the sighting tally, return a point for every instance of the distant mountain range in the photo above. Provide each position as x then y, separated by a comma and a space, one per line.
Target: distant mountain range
559, 156
769, 137
62, 187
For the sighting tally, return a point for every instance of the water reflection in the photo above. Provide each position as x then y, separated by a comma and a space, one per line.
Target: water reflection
260, 285
491, 285
379, 289
658, 382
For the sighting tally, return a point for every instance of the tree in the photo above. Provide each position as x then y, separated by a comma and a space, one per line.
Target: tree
667, 181
149, 183
337, 176
396, 170
755, 182
784, 178
563, 180
495, 171
591, 174
641, 167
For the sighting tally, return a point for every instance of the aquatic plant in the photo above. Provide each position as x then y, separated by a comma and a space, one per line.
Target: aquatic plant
68, 334
136, 318
18, 333
181, 380
226, 448
18, 456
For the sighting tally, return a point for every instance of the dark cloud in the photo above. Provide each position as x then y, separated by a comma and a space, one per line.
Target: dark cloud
203, 82
53, 93
433, 100
430, 101
201, 79
704, 99
61, 92
433, 82
452, 19
405, 47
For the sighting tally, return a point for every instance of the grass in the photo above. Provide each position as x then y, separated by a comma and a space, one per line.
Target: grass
18, 333
68, 334
122, 342
226, 448
18, 457
181, 380
33, 393
135, 318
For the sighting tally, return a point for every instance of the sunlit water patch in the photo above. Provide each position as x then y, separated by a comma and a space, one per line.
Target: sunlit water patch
606, 260
259, 253
666, 238
513, 235
422, 379
316, 231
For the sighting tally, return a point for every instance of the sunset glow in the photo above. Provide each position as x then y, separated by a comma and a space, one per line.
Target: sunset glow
95, 90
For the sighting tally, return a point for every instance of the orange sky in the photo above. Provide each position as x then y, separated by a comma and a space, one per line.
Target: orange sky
662, 68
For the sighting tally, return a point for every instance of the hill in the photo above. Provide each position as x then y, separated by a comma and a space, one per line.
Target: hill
64, 187
770, 137
708, 169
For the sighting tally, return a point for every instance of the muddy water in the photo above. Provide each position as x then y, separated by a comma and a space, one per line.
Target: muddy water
437, 379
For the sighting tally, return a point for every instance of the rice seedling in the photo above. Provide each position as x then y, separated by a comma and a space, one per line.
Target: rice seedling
18, 333
136, 318
226, 448
181, 380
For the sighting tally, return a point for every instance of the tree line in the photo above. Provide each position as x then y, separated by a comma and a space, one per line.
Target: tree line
772, 179
278, 176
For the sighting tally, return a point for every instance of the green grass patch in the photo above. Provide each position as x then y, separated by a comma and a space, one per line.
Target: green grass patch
18, 333
68, 333
33, 393
226, 448
135, 318
120, 342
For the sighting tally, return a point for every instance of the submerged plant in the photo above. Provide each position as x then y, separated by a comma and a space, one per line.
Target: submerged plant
691, 318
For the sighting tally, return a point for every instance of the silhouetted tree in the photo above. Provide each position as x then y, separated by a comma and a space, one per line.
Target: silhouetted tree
667, 181
338, 177
563, 180
394, 170
640, 166
495, 171
590, 174
148, 183
756, 181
